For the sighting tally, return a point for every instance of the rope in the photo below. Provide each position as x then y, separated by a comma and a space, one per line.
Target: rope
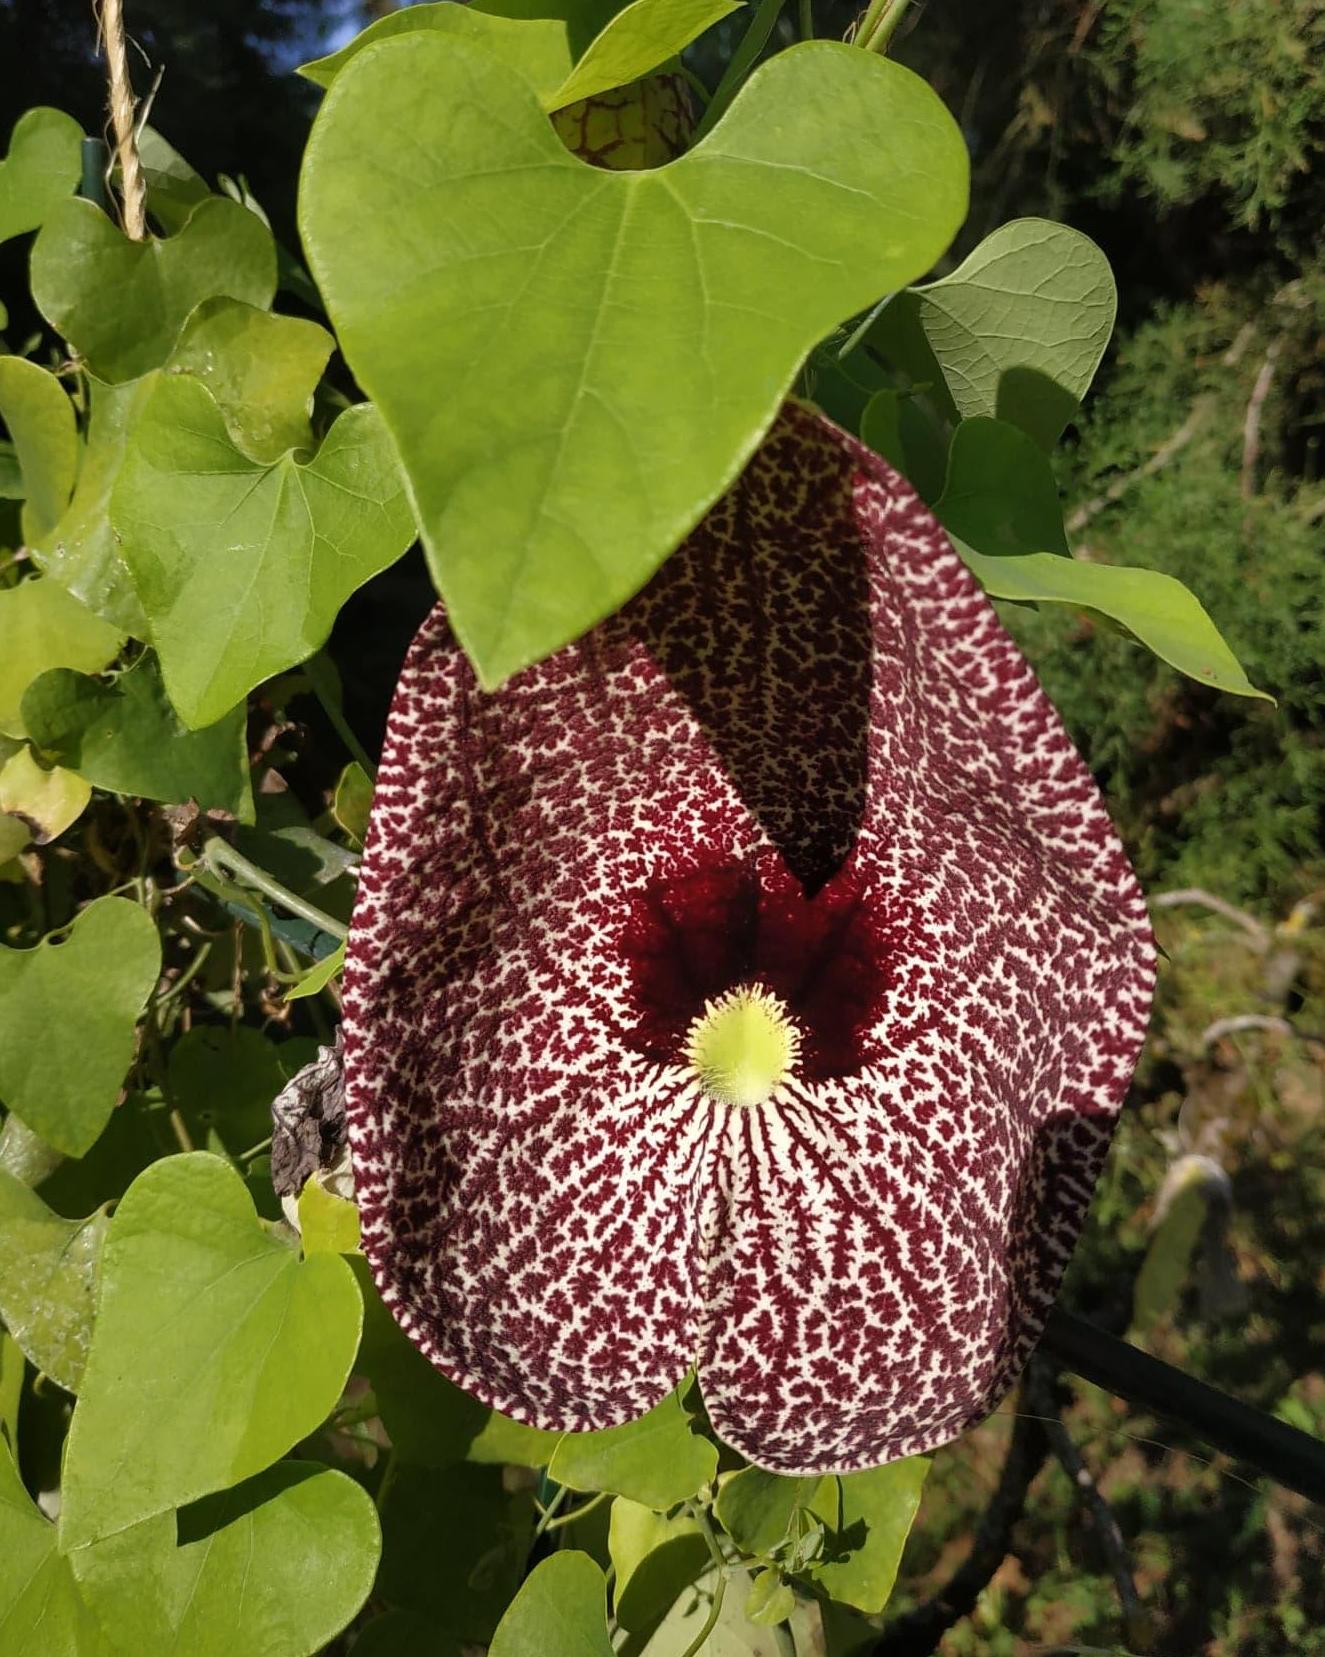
123, 106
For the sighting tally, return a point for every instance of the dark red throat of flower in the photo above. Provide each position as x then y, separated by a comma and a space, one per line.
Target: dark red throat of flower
693, 935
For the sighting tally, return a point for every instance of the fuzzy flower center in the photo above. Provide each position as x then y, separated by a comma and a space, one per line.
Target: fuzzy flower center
743, 1046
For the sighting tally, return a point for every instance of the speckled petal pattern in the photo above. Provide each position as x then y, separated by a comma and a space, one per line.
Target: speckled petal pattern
807, 757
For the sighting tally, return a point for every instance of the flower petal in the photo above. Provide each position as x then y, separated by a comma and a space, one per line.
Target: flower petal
808, 755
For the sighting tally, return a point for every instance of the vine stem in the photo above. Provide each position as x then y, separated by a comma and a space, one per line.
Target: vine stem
220, 856
133, 187
879, 24
700, 1514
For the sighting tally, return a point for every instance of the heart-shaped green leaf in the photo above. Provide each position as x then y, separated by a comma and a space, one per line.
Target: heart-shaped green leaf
102, 973
42, 1614
612, 345
124, 736
1163, 614
1000, 495
561, 1611
44, 164
273, 1568
216, 1348
868, 1517
241, 568
655, 1558
81, 551
121, 303
48, 800
1019, 327
658, 1460
43, 627
40, 419
756, 1508
48, 1273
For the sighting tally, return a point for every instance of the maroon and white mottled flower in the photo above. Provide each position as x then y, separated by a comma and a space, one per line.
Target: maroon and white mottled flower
805, 778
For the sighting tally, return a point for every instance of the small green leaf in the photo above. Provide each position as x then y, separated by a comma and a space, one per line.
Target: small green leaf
40, 418
44, 165
122, 304
1001, 496
756, 1508
658, 1460
614, 344
48, 1274
42, 1613
1020, 326
275, 1567
770, 1600
1160, 611
638, 39
868, 1518
102, 973
47, 801
42, 627
896, 427
126, 737
455, 1546
560, 1611
656, 1558
242, 568
81, 551
262, 370
429, 1420
353, 801
174, 189
328, 1224
319, 975
215, 1349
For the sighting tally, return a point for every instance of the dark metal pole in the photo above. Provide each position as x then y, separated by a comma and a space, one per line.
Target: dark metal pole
1283, 1453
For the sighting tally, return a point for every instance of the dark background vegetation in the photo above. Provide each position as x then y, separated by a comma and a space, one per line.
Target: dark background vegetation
1186, 137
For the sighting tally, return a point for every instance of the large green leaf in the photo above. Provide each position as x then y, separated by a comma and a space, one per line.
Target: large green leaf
122, 304
43, 627
241, 568
1158, 610
455, 1544
1000, 495
81, 551
44, 164
48, 1273
123, 735
1020, 326
216, 1349
40, 418
658, 1460
612, 346
868, 1518
42, 1613
96, 982
430, 1421
656, 1557
561, 1611
273, 1568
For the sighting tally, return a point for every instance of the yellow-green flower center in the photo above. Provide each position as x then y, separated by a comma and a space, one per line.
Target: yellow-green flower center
743, 1046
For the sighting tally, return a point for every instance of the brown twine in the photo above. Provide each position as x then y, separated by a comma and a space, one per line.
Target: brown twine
123, 108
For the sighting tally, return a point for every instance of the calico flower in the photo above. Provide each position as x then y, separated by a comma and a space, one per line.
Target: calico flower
752, 986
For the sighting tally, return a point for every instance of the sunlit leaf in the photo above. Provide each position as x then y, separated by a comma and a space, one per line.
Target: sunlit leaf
613, 344
658, 1460
353, 800
42, 1613
48, 1271
122, 303
125, 736
273, 1568
638, 39
656, 1556
258, 1349
328, 1224
560, 1611
868, 1517
101, 974
241, 568
40, 418
43, 166
756, 1507
43, 627
319, 975
46, 800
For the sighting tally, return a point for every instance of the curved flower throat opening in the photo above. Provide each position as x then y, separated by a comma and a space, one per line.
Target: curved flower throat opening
748, 983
